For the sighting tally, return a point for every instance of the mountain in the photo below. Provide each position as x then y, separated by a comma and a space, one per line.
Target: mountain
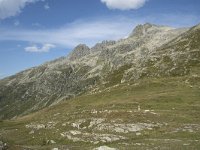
141, 92
149, 51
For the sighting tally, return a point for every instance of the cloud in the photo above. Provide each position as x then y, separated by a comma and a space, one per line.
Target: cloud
16, 23
36, 49
10, 8
2, 75
70, 35
37, 25
91, 31
124, 4
46, 6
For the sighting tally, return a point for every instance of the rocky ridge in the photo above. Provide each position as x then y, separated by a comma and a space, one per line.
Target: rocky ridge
149, 51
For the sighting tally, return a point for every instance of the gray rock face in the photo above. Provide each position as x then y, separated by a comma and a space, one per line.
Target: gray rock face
79, 52
142, 30
101, 46
150, 51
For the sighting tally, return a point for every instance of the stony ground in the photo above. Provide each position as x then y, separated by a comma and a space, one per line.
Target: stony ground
156, 114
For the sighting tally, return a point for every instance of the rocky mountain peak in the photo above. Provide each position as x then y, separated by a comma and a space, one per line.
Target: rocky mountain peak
143, 29
197, 27
100, 46
79, 51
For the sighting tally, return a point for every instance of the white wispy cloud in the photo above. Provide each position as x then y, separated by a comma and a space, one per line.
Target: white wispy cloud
10, 8
16, 23
46, 6
124, 4
44, 48
36, 24
70, 35
92, 31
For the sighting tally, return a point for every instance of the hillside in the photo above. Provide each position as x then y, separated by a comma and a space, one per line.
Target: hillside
136, 93
147, 114
106, 64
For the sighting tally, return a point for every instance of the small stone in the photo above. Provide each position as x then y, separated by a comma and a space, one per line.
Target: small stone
147, 111
139, 108
75, 132
64, 124
104, 148
190, 130
97, 142
32, 132
94, 111
119, 130
138, 133
56, 114
52, 142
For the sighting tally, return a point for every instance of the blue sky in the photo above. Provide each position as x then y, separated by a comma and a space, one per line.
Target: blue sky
35, 31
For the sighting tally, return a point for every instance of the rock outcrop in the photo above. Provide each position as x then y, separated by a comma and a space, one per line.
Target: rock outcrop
79, 52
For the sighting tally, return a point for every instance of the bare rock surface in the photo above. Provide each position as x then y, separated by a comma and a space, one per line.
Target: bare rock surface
104, 148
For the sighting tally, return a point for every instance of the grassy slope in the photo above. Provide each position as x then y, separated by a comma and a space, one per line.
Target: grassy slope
176, 104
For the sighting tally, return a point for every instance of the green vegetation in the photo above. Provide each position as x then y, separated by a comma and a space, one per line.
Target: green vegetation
116, 76
175, 104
